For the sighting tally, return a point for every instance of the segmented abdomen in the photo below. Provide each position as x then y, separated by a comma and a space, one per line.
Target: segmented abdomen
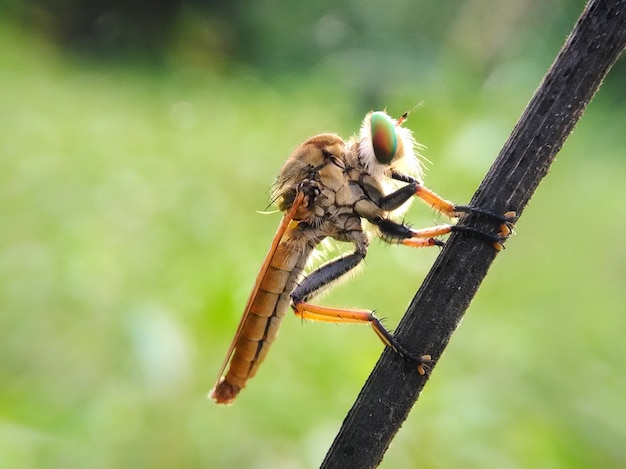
267, 309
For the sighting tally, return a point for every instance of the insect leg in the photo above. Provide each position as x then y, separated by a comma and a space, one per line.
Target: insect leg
506, 221
447, 207
452, 210
321, 279
398, 198
392, 231
359, 316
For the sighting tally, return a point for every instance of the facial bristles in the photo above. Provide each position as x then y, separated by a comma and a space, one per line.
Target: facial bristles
386, 146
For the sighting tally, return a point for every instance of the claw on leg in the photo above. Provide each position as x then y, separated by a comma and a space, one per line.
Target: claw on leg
322, 313
422, 366
506, 230
426, 236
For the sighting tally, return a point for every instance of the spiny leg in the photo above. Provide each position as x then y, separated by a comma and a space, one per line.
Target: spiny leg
392, 231
321, 279
444, 206
506, 221
320, 313
395, 232
426, 236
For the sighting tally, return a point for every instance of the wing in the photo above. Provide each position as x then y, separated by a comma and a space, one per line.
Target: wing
284, 224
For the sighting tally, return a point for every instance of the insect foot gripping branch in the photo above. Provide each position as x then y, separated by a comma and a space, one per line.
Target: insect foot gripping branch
328, 188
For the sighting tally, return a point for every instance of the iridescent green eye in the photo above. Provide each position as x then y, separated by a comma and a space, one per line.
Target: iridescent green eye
384, 137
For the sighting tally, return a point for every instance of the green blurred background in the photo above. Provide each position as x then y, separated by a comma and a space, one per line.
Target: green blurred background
138, 143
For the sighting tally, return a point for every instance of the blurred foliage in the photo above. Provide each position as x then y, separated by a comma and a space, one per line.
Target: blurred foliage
368, 47
130, 176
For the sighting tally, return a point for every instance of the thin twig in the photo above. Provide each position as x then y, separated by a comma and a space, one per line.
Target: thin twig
390, 392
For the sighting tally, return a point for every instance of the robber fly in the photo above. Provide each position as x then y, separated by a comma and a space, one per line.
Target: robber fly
327, 188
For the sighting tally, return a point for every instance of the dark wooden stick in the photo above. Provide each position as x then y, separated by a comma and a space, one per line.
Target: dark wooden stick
394, 385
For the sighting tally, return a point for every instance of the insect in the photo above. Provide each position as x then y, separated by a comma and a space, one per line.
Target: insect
328, 188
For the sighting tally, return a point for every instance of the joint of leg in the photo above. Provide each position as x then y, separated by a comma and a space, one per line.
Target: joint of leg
295, 305
508, 217
435, 201
422, 242
497, 240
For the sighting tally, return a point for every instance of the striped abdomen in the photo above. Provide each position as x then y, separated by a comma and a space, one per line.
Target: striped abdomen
266, 309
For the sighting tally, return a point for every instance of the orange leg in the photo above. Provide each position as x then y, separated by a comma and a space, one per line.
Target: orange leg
506, 229
435, 201
359, 316
397, 198
425, 237
451, 210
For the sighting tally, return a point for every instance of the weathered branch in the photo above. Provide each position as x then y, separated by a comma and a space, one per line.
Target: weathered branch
594, 45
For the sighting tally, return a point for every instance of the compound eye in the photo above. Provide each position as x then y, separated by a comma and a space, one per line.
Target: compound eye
384, 137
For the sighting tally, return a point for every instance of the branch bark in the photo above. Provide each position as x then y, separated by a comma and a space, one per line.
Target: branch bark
393, 387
